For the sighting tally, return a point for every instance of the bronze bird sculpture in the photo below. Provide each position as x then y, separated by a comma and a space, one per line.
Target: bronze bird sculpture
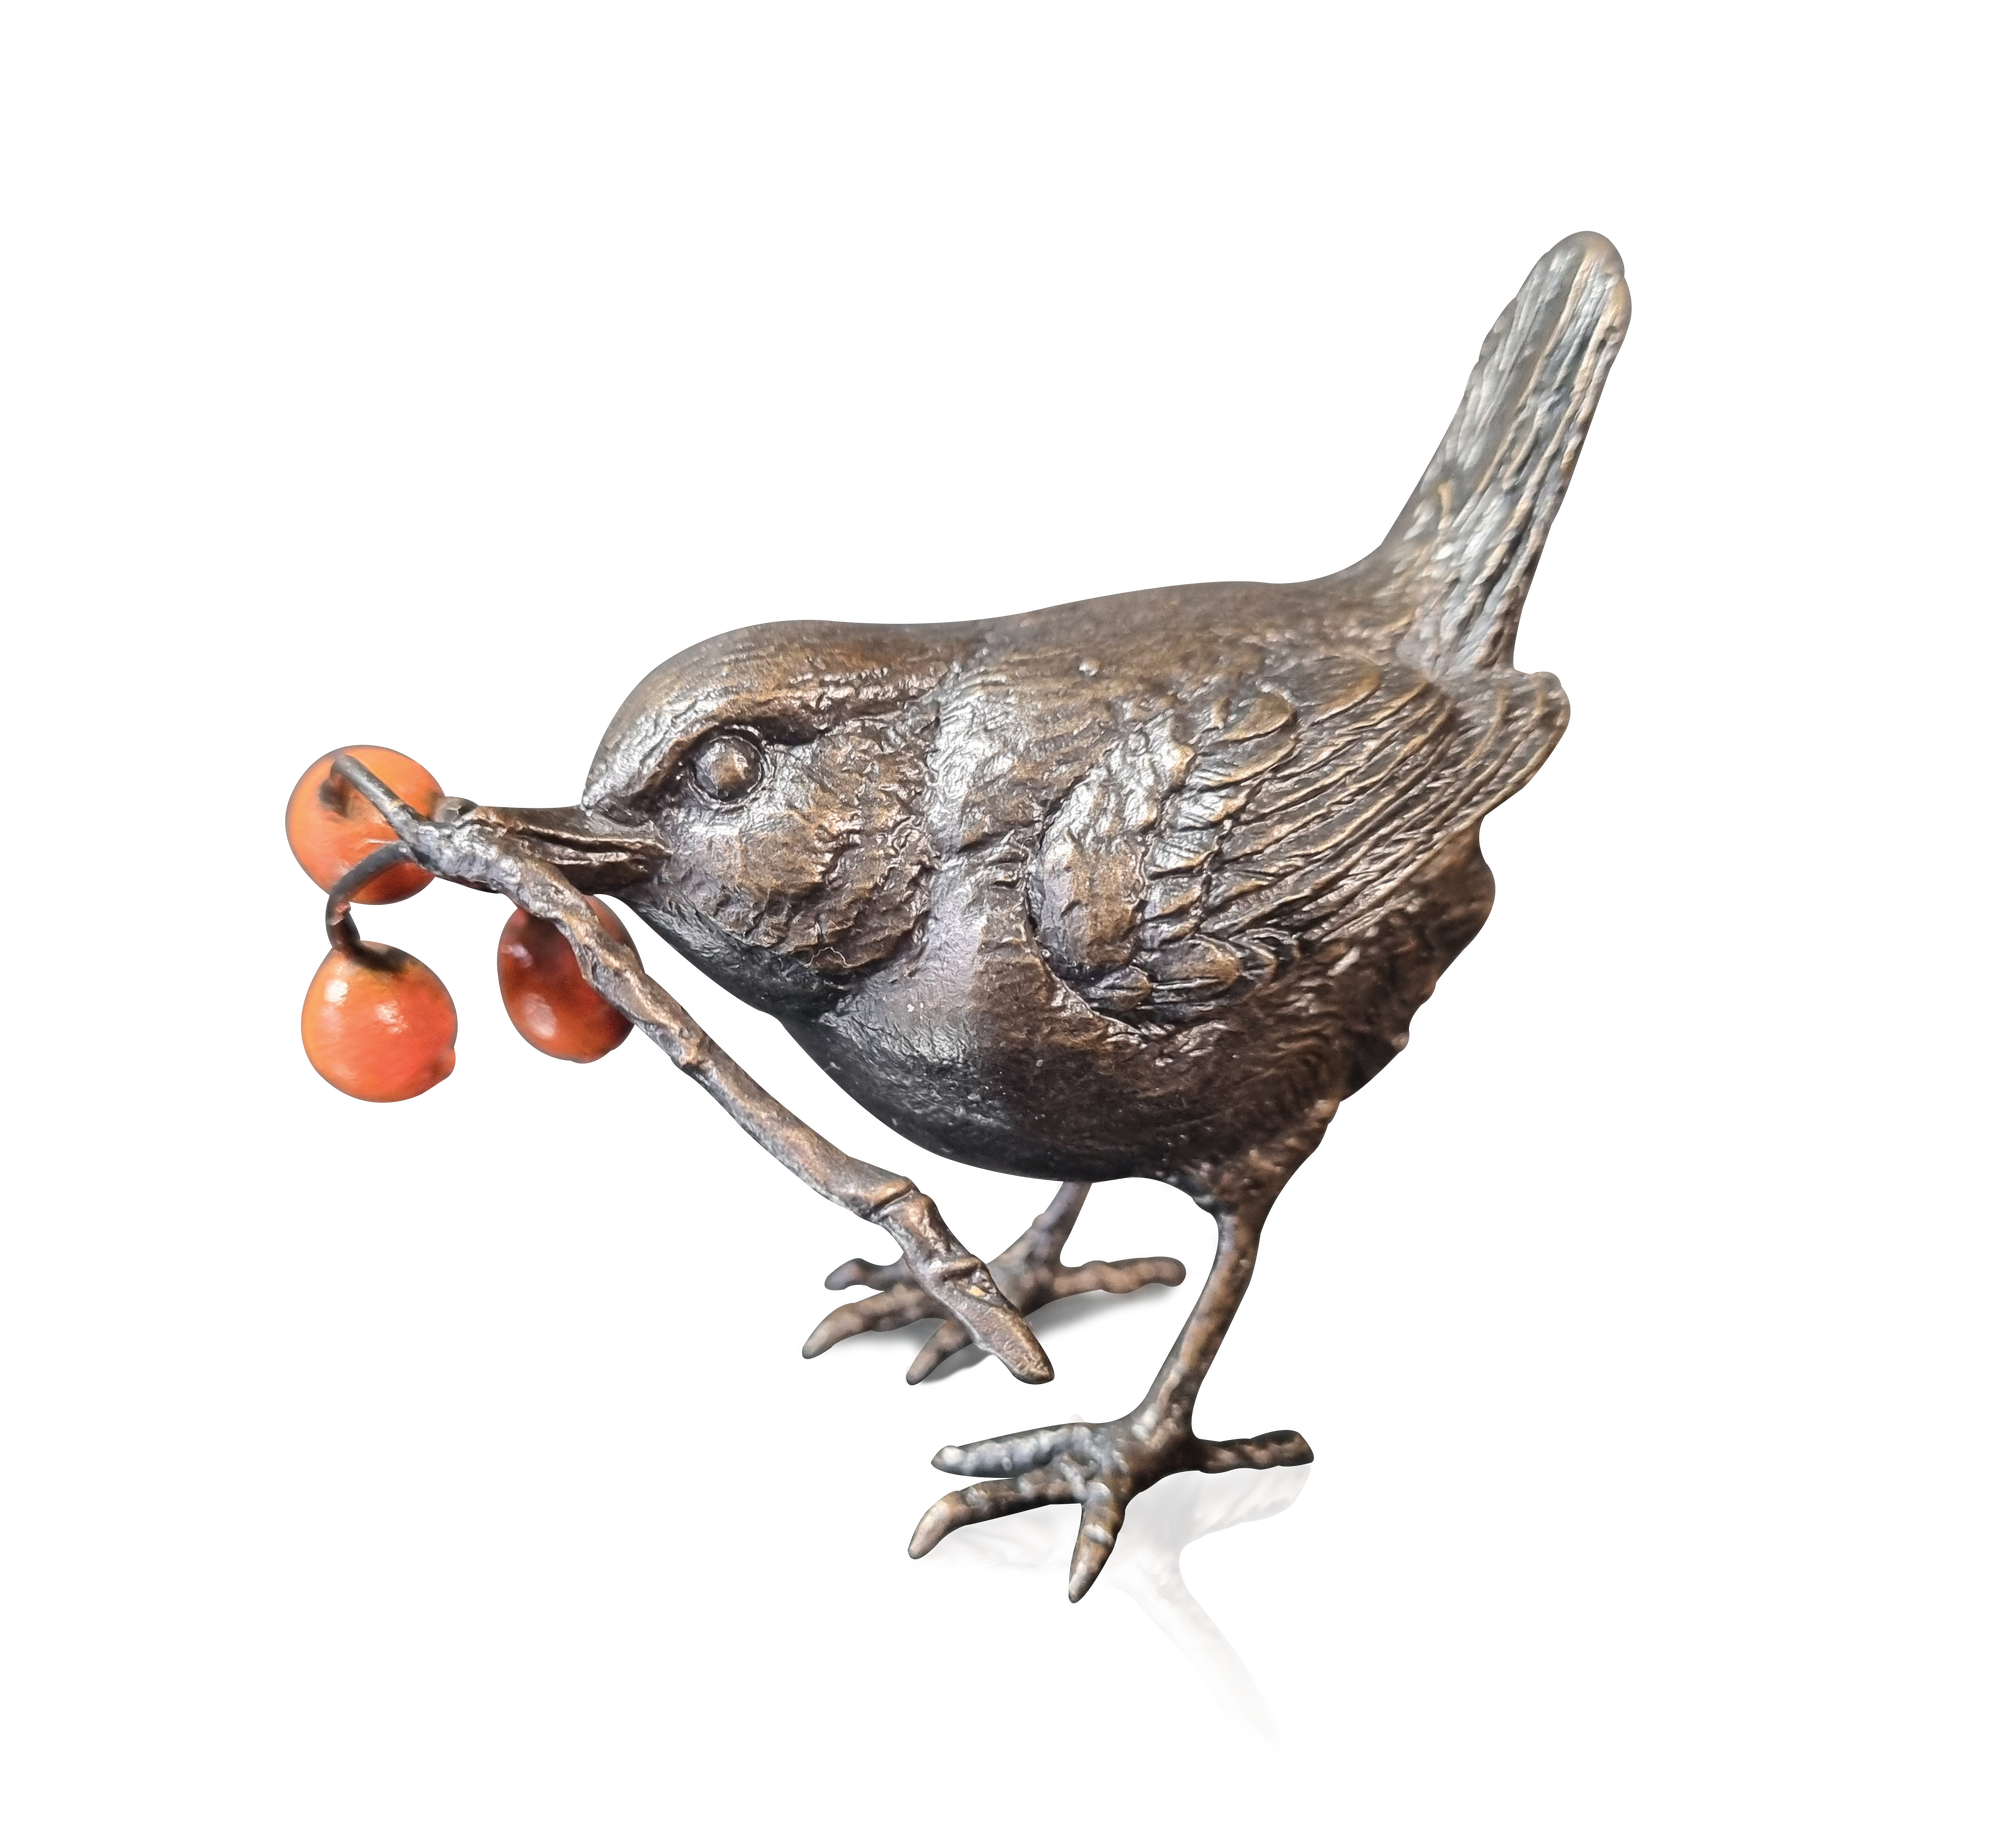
1139, 886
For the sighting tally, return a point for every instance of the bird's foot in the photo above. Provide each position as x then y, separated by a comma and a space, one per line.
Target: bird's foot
1098, 1466
887, 1311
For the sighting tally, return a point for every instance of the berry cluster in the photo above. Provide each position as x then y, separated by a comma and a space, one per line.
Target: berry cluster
378, 1024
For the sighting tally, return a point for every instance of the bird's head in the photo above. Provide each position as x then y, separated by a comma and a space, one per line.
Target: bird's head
758, 800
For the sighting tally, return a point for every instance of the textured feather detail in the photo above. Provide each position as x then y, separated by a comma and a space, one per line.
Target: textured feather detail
1455, 569
1208, 851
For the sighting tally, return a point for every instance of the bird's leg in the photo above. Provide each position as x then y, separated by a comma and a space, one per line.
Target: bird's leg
1047, 1237
1101, 1466
466, 843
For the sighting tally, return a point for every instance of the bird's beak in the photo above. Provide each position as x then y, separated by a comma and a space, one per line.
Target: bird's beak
594, 854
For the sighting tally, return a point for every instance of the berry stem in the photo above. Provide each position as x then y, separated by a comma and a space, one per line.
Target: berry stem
340, 928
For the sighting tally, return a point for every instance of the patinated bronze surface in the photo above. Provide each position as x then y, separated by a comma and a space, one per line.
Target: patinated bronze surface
1139, 886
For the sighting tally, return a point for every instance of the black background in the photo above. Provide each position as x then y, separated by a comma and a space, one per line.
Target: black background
541, 1459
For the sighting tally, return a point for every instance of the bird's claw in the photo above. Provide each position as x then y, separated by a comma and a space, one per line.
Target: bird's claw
1095, 1467
1100, 1467
885, 1311
881, 1309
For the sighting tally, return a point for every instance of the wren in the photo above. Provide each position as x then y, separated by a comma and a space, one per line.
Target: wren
1137, 886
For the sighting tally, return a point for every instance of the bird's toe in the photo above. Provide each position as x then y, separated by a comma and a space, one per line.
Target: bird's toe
1016, 1454
989, 1500
1096, 1537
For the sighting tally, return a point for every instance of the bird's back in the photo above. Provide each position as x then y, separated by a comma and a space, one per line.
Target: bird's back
1218, 799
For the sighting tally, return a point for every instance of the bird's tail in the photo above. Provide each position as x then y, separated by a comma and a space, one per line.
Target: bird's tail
1459, 559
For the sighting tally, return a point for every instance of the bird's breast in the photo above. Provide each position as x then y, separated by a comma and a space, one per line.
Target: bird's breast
971, 1046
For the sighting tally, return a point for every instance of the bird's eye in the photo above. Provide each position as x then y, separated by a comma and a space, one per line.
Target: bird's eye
728, 766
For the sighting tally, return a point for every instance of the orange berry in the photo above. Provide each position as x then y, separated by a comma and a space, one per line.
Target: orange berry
547, 998
379, 1027
331, 826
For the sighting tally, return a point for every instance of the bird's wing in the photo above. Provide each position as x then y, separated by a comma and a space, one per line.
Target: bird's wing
1213, 846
